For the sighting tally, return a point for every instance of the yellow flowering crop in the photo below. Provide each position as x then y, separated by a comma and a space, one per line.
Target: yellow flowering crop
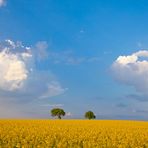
73, 134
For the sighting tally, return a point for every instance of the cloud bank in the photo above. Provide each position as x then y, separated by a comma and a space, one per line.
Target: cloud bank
132, 70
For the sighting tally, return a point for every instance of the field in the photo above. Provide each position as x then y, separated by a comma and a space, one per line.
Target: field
73, 134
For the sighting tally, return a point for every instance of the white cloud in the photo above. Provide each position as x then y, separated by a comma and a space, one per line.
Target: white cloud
11, 43
132, 70
2, 3
123, 60
54, 89
142, 53
13, 68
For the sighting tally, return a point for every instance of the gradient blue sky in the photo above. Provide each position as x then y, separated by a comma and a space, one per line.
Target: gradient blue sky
73, 46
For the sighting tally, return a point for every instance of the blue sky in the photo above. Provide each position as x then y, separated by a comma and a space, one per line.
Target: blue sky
75, 55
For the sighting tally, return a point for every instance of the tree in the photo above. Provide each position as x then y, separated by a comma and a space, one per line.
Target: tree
90, 115
57, 112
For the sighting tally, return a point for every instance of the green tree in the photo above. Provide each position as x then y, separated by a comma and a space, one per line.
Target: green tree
90, 115
57, 112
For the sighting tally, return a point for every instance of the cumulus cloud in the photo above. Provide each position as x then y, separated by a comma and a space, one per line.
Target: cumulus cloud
21, 82
13, 67
17, 65
132, 70
2, 3
54, 89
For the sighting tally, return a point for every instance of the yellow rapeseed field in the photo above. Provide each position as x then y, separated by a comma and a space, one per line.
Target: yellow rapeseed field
73, 134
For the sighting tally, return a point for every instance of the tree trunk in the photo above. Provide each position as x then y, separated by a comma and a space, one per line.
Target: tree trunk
59, 117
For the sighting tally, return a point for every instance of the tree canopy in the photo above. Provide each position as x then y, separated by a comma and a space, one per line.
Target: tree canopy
90, 115
57, 112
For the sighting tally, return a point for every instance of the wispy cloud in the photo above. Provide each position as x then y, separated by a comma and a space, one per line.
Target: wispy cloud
82, 31
52, 105
54, 89
139, 44
138, 97
2, 3
40, 50
68, 58
141, 111
121, 105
